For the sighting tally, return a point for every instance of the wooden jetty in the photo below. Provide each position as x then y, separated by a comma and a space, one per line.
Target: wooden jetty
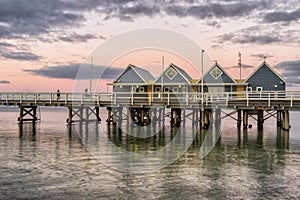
263, 105
140, 98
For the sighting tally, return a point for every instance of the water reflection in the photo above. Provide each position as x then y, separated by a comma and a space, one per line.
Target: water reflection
245, 164
163, 136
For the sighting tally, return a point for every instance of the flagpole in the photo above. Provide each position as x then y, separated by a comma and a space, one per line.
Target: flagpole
202, 92
240, 64
91, 75
162, 77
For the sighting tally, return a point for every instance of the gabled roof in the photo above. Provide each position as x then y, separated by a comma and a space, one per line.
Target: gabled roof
267, 65
142, 73
221, 68
180, 71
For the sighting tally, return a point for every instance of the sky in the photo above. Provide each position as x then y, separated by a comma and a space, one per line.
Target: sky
43, 43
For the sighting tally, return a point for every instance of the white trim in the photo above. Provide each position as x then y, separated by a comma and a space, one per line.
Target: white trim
221, 68
157, 89
177, 89
175, 68
259, 89
260, 66
141, 89
132, 67
133, 89
248, 89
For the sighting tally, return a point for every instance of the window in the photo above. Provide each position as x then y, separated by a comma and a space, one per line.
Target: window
166, 89
183, 89
157, 89
259, 89
133, 89
141, 89
175, 89
249, 89
171, 73
216, 72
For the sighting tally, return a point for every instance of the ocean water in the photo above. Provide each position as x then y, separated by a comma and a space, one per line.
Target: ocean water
53, 161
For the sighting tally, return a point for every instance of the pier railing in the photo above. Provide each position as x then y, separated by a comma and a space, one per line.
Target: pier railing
290, 98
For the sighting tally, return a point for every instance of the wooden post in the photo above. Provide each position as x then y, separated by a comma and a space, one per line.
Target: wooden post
245, 119
239, 118
202, 119
34, 117
218, 117
98, 114
87, 114
183, 118
21, 115
279, 118
260, 119
286, 120
129, 119
69, 121
108, 115
172, 117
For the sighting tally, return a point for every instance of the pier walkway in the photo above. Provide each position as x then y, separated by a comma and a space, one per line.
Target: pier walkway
248, 102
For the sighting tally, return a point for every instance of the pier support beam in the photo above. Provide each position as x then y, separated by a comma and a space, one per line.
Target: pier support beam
245, 119
286, 120
260, 119
239, 118
279, 118
83, 116
206, 117
29, 111
217, 117
175, 117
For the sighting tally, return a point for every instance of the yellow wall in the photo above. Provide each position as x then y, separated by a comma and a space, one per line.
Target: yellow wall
240, 88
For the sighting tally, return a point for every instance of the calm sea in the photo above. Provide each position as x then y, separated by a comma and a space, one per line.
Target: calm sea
53, 161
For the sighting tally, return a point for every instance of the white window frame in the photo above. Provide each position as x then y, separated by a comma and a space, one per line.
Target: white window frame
166, 89
249, 89
259, 89
175, 89
157, 89
133, 89
141, 89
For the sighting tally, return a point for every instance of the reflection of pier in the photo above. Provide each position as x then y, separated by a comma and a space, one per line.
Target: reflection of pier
141, 138
178, 107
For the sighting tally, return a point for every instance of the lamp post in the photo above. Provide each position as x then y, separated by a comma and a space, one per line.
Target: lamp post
202, 92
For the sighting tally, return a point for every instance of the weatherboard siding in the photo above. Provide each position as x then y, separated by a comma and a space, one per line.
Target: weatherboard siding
264, 77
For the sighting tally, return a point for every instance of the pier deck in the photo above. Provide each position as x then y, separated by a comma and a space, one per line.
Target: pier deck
234, 100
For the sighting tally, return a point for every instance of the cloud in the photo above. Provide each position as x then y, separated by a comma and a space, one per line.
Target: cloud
21, 55
129, 11
262, 55
244, 37
291, 71
282, 16
5, 44
4, 82
34, 17
218, 9
76, 71
262, 35
244, 66
74, 37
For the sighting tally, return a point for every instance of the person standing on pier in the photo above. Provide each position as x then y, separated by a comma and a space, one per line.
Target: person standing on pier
58, 95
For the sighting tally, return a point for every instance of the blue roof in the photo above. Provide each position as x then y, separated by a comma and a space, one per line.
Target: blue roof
182, 72
141, 75
183, 76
